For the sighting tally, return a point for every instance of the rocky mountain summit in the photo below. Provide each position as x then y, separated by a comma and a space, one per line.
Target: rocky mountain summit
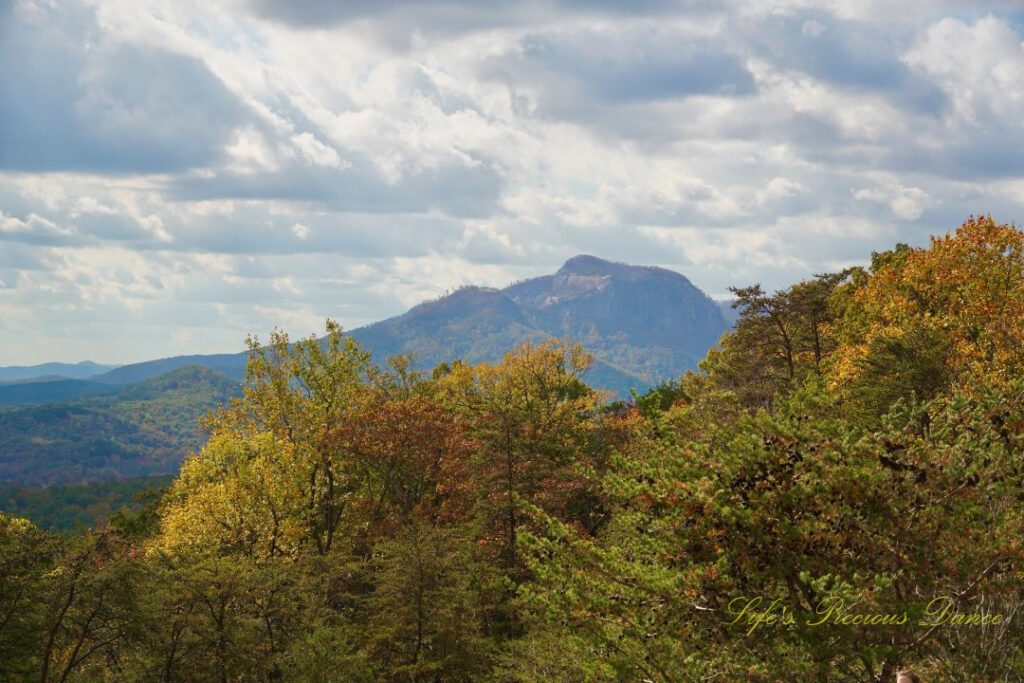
643, 324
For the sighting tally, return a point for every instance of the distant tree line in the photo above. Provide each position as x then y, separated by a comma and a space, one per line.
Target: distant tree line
70, 507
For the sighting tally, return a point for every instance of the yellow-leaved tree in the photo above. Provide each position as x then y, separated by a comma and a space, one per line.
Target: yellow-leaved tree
270, 481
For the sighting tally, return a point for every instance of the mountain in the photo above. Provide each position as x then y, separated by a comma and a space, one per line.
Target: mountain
651, 322
229, 364
730, 314
139, 430
643, 324
46, 390
83, 370
472, 324
62, 507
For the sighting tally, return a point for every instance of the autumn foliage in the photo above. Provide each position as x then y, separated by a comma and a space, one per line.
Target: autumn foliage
835, 495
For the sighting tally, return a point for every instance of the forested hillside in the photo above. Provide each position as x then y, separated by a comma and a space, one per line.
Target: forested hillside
39, 391
835, 494
138, 430
67, 507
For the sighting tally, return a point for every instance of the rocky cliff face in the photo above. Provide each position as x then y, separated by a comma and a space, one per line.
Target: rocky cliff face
651, 321
643, 325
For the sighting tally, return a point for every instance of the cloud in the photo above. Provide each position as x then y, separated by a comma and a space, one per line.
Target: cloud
171, 179
262, 230
16, 256
35, 229
646, 63
907, 203
73, 100
829, 48
317, 13
458, 190
980, 68
454, 16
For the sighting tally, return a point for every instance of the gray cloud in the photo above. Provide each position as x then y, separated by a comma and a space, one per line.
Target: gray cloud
987, 153
842, 51
317, 13
456, 190
453, 16
20, 257
70, 100
255, 230
848, 53
622, 81
118, 228
636, 66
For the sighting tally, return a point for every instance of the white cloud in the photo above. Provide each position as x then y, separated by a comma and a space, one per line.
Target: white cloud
979, 66
315, 152
812, 27
223, 171
907, 203
33, 229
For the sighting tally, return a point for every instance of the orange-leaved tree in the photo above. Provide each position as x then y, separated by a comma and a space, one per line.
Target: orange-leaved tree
923, 318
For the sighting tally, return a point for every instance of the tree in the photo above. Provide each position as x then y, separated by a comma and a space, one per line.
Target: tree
269, 479
778, 341
90, 600
412, 456
26, 555
801, 508
924, 318
427, 616
532, 416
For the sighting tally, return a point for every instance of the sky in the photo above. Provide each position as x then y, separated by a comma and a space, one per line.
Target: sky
175, 175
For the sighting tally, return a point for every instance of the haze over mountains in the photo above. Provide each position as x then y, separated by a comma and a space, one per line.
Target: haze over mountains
643, 325
20, 373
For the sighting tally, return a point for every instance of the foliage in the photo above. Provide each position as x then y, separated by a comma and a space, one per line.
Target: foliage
142, 430
26, 551
806, 511
846, 466
65, 507
854, 443
924, 318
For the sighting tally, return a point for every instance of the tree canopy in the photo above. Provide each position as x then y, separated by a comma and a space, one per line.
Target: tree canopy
837, 494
